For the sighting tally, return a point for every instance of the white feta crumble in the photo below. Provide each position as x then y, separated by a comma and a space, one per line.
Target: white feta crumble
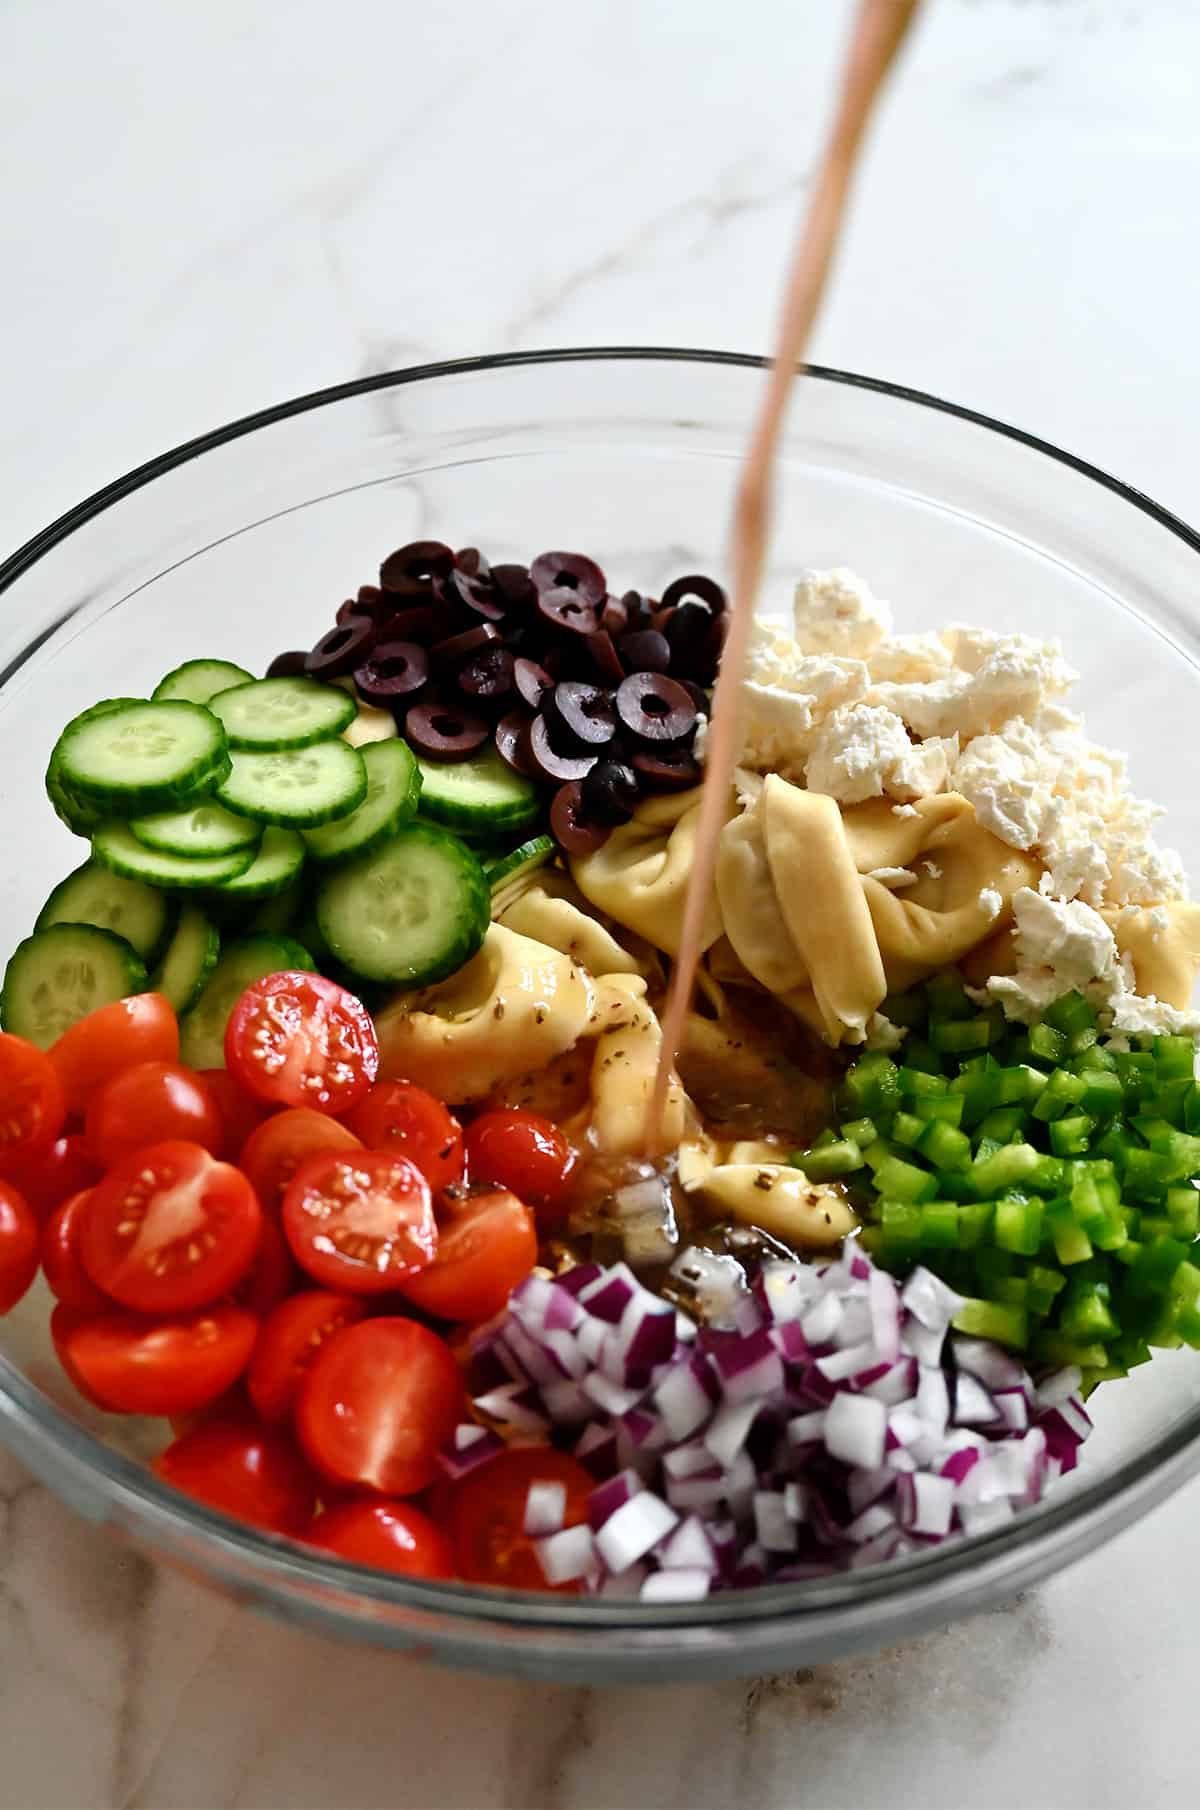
991, 901
854, 753
786, 695
834, 612
909, 659
882, 1034
700, 740
1070, 939
905, 810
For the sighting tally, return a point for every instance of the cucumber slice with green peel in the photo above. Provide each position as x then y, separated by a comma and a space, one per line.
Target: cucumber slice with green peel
276, 866
299, 788
201, 829
410, 912
142, 757
190, 958
480, 796
202, 1031
537, 852
279, 912
57, 976
393, 790
274, 714
95, 895
198, 680
78, 816
115, 846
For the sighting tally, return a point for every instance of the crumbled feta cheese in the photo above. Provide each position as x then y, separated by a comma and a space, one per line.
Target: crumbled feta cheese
1135, 1016
786, 695
834, 612
924, 769
700, 740
882, 1034
1008, 778
855, 751
991, 901
905, 810
995, 677
932, 707
909, 659
1070, 939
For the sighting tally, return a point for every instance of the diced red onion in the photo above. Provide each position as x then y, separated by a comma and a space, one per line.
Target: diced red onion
628, 1533
933, 1398
865, 1487
748, 1367
513, 1405
1014, 1409
883, 1546
612, 1397
894, 1386
566, 1555
625, 1584
973, 1406
691, 1460
729, 1430
1056, 1387
957, 1465
566, 1403
469, 1446
923, 1343
610, 1294
821, 1321
579, 1277
850, 1361
717, 1283
774, 1528
870, 1523
787, 1288
994, 1367
884, 1302
807, 1429
854, 1431
982, 1517
795, 1501
596, 1448
688, 1548
790, 1342
677, 1586
609, 1497
545, 1508
926, 1504
684, 1398
930, 1300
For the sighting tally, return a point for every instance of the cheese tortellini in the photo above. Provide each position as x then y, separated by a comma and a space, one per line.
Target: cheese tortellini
639, 876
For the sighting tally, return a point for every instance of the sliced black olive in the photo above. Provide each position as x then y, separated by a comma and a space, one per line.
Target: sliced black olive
655, 708
666, 773
532, 681
422, 623
396, 669
569, 822
342, 649
287, 666
549, 762
442, 733
569, 572
644, 650
696, 585
605, 658
514, 587
411, 570
564, 608
610, 792
451, 652
488, 674
512, 743
584, 711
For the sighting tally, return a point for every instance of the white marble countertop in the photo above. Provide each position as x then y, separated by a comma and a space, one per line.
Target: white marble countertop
212, 208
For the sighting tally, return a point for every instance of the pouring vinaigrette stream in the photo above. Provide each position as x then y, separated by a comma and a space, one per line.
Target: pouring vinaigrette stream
329, 1067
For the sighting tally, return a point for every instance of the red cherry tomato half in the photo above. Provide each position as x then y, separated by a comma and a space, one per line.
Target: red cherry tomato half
360, 1221
288, 1344
300, 1040
524, 1152
170, 1229
19, 1246
133, 1365
273, 1153
114, 1037
240, 1112
149, 1104
390, 1536
49, 1177
272, 1275
487, 1243
253, 1473
61, 1262
378, 1404
32, 1103
405, 1120
486, 1516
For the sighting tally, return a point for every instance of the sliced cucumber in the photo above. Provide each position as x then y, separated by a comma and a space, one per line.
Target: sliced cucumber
274, 714
190, 958
527, 859
95, 895
480, 795
204, 828
410, 912
198, 680
280, 911
393, 790
142, 757
202, 1032
57, 976
278, 863
79, 816
116, 847
297, 789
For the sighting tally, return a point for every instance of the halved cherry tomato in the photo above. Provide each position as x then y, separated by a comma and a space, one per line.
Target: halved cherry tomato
378, 1404
61, 1262
487, 1243
524, 1152
300, 1040
253, 1473
272, 1275
273, 1153
240, 1112
288, 1343
32, 1104
132, 1365
486, 1516
49, 1177
407, 1121
18, 1246
149, 1104
170, 1229
142, 1028
391, 1536
361, 1221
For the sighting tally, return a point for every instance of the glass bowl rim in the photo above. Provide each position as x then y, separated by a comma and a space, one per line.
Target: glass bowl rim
1141, 1480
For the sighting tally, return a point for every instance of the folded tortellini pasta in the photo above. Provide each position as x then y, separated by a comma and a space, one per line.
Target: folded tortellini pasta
639, 875
551, 910
803, 914
514, 1008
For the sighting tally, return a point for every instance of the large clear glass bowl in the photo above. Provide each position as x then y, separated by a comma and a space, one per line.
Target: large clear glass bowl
245, 541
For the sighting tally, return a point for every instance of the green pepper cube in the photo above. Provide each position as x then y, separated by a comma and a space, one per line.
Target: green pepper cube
1174, 1056
860, 1131
899, 1180
975, 1220
1102, 1092
945, 1146
1086, 1311
947, 1108
948, 997
1069, 1137
957, 1036
1071, 1243
1183, 1212
922, 1057
1061, 1094
1056, 1348
826, 1163
939, 1225
907, 1129
1070, 1014
1019, 1225
872, 1085
900, 1226
1007, 1168
998, 1320
916, 1084
1047, 1044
